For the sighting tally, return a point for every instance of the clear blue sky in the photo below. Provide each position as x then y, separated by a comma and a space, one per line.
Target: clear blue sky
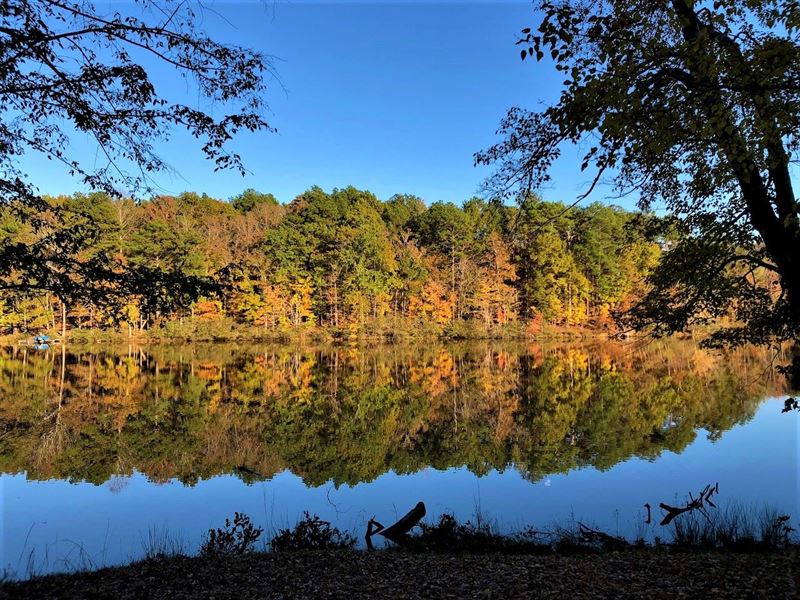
389, 97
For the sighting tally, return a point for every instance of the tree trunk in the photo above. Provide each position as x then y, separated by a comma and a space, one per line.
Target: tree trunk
63, 323
335, 302
780, 232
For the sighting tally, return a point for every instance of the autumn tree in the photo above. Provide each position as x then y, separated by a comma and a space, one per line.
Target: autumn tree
339, 243
60, 250
342, 261
251, 199
551, 283
444, 229
399, 213
68, 68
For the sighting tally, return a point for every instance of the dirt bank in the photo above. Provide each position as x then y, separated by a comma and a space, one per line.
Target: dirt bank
352, 575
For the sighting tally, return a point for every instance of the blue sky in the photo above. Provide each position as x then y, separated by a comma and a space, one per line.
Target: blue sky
390, 97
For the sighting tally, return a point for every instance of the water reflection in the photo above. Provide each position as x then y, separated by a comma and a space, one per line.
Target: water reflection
351, 415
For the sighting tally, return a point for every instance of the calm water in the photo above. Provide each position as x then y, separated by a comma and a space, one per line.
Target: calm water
113, 446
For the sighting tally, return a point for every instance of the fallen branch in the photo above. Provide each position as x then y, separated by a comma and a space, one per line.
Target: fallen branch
693, 504
398, 532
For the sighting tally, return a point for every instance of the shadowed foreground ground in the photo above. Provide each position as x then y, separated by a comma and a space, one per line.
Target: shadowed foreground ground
346, 574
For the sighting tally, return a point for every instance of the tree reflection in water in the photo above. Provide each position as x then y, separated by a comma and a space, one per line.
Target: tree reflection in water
348, 415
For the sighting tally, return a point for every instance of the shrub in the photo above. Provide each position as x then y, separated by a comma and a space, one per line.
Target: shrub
776, 531
448, 535
235, 538
311, 533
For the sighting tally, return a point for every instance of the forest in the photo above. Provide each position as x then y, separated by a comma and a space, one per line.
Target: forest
344, 263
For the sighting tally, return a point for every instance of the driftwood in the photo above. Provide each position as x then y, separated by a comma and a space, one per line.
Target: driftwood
693, 504
398, 532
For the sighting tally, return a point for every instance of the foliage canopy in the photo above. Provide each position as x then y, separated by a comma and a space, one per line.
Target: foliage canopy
340, 261
692, 106
72, 71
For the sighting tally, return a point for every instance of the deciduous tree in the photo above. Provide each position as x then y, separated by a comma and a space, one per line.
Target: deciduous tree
690, 105
69, 69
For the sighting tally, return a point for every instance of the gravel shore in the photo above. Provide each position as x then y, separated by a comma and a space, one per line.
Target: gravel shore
353, 575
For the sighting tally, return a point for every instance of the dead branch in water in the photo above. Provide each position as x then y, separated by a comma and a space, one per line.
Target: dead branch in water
694, 504
398, 532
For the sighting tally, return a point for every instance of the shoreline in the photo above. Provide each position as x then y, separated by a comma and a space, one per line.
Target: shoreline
81, 338
407, 332
629, 573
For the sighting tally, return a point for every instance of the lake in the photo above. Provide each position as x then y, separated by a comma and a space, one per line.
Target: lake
108, 451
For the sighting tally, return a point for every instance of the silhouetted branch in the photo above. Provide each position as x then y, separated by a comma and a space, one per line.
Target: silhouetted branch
693, 504
397, 533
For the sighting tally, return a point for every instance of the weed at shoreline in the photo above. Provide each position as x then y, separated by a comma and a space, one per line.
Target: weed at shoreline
160, 543
236, 537
733, 528
312, 533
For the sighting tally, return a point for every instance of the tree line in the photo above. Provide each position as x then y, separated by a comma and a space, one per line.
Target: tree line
344, 261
